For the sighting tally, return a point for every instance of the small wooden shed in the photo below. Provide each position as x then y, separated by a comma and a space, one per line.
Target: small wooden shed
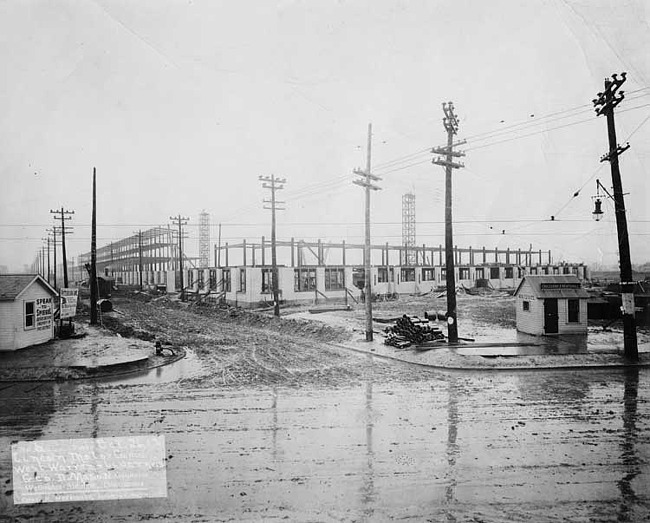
27, 304
551, 305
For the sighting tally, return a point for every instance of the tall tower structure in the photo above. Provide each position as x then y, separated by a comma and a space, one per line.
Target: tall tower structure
204, 240
408, 229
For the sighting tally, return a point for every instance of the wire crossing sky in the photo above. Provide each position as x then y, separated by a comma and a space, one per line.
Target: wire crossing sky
181, 106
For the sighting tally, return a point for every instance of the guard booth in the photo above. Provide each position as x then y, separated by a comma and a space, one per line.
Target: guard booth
26, 311
551, 305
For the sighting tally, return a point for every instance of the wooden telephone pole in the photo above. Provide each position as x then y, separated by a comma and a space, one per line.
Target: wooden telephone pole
54, 231
180, 221
48, 257
64, 216
366, 182
605, 104
450, 122
93, 255
140, 256
274, 184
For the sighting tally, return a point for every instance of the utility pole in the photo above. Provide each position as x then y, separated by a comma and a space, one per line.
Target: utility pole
48, 257
366, 181
605, 104
450, 122
180, 221
140, 255
64, 216
219, 251
93, 255
274, 184
54, 231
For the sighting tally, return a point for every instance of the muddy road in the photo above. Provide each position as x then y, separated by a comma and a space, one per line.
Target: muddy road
288, 429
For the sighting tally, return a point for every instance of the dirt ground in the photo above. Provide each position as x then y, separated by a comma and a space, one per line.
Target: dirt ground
236, 347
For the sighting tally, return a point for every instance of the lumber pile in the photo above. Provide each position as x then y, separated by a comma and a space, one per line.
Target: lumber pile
409, 330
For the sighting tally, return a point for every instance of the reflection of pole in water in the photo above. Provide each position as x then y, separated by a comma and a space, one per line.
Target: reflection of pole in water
274, 425
368, 488
452, 445
93, 410
629, 458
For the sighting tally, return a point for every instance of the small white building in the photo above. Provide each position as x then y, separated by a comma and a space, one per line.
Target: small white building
26, 311
551, 305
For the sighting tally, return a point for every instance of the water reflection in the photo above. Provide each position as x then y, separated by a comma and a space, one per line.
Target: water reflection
189, 367
368, 492
274, 425
629, 458
26, 408
94, 400
452, 446
566, 388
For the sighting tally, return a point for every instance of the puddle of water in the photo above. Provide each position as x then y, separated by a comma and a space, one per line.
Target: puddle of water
189, 367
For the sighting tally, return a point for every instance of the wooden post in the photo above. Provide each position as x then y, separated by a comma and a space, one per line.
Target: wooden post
93, 256
263, 251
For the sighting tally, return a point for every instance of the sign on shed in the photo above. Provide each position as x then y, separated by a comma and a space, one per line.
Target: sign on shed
68, 302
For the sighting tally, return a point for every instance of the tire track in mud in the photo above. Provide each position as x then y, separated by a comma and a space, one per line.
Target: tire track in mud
258, 350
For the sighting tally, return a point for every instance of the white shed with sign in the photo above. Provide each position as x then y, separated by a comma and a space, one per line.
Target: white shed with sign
26, 311
551, 305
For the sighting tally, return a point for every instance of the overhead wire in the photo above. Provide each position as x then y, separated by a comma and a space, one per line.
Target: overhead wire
597, 170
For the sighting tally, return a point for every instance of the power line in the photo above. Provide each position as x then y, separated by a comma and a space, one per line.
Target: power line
349, 223
597, 170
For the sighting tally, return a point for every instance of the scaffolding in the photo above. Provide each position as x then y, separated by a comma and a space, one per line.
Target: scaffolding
409, 253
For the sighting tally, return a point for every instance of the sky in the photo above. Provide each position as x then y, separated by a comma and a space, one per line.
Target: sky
182, 105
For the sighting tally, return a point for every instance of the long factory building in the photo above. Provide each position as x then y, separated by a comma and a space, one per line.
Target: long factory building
314, 272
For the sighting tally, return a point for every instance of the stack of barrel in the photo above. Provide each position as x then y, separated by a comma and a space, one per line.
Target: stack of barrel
410, 330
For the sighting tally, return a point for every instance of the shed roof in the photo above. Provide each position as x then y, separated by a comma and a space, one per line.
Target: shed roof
12, 285
554, 286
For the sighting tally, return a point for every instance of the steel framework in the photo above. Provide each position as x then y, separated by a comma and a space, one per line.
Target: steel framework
204, 240
409, 254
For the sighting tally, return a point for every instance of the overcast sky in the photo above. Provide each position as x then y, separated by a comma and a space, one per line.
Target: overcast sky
181, 105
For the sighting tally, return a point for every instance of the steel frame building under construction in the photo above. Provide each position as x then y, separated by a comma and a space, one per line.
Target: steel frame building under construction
327, 271
153, 251
314, 271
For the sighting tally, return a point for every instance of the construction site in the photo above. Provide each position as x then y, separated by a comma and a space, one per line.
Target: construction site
310, 271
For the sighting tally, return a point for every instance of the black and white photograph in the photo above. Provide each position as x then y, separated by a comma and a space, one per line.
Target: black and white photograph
325, 261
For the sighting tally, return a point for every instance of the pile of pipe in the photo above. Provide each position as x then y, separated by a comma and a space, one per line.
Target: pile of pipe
409, 330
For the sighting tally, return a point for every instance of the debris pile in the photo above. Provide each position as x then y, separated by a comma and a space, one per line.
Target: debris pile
410, 330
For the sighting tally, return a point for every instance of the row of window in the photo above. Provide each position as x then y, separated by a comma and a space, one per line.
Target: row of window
305, 278
429, 273
573, 310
